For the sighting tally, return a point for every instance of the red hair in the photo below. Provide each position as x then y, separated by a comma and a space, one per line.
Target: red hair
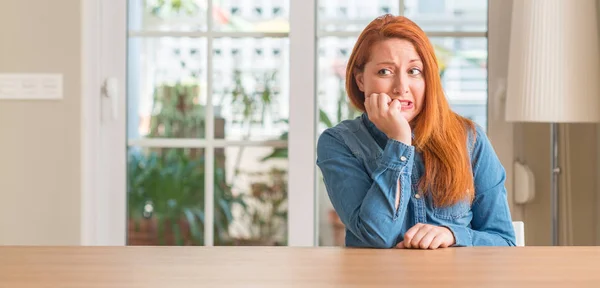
440, 134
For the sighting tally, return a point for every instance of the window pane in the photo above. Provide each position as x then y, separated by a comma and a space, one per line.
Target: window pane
353, 15
251, 16
166, 88
167, 15
333, 103
165, 196
334, 107
463, 63
251, 84
254, 208
448, 15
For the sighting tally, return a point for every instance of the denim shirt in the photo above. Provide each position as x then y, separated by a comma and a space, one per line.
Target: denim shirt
361, 167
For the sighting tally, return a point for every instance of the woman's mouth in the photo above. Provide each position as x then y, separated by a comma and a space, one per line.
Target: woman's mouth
406, 104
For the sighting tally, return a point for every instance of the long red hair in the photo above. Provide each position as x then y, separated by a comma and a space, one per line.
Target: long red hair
440, 134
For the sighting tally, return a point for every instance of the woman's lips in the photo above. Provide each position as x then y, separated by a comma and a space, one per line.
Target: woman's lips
406, 105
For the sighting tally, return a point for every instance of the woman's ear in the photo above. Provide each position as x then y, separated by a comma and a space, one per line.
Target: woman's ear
358, 77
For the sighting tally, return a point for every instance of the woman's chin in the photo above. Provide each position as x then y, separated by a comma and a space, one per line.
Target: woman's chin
408, 115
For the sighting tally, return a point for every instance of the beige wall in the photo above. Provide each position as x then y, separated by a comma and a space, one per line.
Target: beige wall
583, 184
532, 147
578, 148
39, 142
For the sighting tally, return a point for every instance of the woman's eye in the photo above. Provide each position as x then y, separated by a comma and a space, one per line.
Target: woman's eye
384, 72
414, 71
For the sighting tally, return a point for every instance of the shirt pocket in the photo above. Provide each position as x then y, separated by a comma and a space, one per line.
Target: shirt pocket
456, 211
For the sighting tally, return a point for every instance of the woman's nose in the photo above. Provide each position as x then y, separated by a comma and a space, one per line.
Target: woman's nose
400, 87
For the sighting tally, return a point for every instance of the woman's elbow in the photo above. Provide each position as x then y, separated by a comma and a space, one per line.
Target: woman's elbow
376, 238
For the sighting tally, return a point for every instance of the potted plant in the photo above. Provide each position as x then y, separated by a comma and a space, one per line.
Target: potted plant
265, 214
267, 210
166, 185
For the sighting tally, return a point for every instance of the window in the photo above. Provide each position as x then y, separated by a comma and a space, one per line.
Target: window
208, 112
208, 107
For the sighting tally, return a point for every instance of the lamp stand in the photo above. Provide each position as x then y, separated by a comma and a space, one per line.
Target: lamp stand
554, 192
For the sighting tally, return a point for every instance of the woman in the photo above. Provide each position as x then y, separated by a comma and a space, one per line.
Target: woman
410, 173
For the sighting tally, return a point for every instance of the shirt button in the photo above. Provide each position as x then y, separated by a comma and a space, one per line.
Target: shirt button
402, 158
417, 196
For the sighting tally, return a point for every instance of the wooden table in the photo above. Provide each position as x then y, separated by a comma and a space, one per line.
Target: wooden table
298, 267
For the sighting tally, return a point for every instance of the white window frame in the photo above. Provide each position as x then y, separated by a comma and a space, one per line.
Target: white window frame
103, 162
103, 143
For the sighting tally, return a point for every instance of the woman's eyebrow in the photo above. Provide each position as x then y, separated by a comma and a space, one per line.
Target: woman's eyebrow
386, 62
393, 63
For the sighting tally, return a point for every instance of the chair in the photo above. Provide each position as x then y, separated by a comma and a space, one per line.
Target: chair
519, 232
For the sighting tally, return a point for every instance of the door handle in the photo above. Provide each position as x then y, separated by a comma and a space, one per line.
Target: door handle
110, 90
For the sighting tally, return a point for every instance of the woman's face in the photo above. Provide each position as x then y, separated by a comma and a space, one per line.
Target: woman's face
395, 68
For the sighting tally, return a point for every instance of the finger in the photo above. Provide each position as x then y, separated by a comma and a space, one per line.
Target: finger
447, 237
419, 236
436, 242
369, 103
400, 245
395, 106
384, 103
444, 243
374, 98
410, 233
426, 240
373, 103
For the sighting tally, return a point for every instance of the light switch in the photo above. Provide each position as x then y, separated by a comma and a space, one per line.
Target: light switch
27, 86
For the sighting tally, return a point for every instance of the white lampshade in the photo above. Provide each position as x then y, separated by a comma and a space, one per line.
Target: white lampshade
554, 68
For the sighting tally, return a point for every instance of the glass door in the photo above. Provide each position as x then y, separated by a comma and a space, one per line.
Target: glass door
226, 100
207, 122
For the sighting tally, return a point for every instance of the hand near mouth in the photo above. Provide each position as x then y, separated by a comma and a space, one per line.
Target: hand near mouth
385, 113
404, 104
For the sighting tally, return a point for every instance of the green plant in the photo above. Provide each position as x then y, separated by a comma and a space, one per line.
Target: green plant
279, 152
161, 8
266, 198
167, 184
176, 112
267, 207
252, 106
345, 109
167, 187
170, 188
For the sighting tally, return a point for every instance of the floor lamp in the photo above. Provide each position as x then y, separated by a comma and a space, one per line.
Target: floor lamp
553, 71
